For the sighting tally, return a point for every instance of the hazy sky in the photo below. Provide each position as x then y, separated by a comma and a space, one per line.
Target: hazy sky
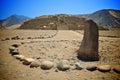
33, 8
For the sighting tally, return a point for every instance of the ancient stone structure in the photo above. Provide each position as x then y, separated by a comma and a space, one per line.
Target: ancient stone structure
89, 47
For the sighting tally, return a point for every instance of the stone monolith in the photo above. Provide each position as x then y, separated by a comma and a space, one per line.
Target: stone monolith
88, 50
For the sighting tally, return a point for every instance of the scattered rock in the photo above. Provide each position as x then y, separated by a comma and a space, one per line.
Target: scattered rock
104, 68
42, 37
29, 38
36, 57
19, 57
14, 52
15, 45
28, 61
35, 64
2, 39
22, 42
47, 65
63, 65
15, 38
78, 66
11, 49
117, 68
7, 38
91, 68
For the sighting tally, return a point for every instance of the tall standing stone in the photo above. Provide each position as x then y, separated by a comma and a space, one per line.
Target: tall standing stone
89, 47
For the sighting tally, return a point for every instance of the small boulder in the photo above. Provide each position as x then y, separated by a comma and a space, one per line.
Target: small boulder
15, 38
104, 68
4, 39
19, 57
78, 66
28, 61
15, 45
29, 38
22, 42
11, 49
14, 52
36, 57
63, 65
35, 64
47, 65
116, 68
91, 68
7, 38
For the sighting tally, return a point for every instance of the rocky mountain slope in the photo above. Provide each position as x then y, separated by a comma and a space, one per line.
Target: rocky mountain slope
13, 20
107, 18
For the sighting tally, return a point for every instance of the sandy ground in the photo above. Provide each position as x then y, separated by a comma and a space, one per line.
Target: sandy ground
55, 45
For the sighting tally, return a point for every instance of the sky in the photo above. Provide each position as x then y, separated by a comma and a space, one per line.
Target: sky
35, 8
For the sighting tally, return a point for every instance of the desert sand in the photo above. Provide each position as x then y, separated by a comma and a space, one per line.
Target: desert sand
56, 45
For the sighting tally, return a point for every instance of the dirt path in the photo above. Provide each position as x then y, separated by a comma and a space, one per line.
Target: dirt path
68, 35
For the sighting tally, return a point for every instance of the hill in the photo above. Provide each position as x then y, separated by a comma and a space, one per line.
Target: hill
13, 20
55, 22
107, 18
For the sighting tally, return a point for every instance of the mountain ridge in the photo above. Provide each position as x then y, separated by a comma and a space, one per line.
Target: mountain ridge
107, 18
14, 19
